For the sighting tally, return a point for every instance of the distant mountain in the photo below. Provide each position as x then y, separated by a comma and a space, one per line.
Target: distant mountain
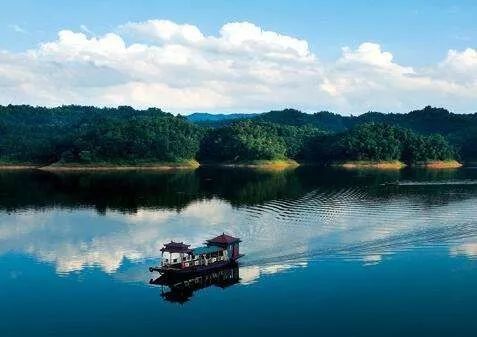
209, 119
427, 120
323, 120
288, 117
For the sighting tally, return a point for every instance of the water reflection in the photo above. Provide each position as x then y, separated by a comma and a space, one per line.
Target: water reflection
180, 289
81, 220
323, 247
129, 192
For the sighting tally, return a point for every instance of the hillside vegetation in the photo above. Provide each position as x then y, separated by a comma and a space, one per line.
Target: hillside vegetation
459, 129
82, 135
88, 135
378, 142
250, 140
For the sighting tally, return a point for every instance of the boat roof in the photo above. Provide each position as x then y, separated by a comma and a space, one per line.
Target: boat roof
206, 250
223, 239
176, 247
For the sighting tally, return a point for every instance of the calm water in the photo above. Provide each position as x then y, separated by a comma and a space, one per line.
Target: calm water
328, 252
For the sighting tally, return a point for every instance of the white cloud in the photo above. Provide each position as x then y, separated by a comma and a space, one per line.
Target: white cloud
460, 67
179, 68
462, 60
165, 30
369, 78
371, 55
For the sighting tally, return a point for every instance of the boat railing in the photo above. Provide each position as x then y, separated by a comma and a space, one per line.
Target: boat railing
199, 260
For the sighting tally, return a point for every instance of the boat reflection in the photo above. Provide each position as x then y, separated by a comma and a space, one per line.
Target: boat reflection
181, 288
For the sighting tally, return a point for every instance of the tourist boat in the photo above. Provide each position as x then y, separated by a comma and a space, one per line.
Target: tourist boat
218, 252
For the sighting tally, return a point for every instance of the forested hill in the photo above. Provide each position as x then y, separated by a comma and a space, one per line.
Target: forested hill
125, 136
459, 129
83, 134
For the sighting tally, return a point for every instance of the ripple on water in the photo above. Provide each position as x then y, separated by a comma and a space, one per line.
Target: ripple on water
355, 223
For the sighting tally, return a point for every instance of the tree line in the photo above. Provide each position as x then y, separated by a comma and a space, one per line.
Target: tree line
123, 135
459, 129
252, 140
78, 134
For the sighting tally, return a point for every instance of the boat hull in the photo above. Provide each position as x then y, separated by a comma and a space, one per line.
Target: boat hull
194, 270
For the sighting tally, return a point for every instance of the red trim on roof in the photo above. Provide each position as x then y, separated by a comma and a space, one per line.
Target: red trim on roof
224, 239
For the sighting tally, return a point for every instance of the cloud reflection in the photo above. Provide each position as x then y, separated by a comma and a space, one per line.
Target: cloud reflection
468, 249
251, 274
343, 223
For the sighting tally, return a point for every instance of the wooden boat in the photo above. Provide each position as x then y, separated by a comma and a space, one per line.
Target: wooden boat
219, 252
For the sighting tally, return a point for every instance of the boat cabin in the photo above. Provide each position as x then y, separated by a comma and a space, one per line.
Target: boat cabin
218, 251
226, 242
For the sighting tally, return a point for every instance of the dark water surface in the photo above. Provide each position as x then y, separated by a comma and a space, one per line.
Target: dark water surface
328, 252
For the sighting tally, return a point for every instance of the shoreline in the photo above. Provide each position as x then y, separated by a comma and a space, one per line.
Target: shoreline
259, 164
398, 165
17, 167
377, 165
115, 168
189, 165
440, 164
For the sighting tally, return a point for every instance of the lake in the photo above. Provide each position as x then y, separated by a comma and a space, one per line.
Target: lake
328, 252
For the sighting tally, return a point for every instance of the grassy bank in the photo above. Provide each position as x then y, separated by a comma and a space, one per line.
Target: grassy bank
397, 165
381, 165
16, 166
187, 164
104, 166
261, 164
439, 164
193, 164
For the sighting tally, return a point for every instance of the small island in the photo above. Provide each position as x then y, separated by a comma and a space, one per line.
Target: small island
90, 138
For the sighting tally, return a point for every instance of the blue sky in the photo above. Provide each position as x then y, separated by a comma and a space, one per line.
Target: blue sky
419, 34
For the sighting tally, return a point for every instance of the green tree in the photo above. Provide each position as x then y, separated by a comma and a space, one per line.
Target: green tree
242, 141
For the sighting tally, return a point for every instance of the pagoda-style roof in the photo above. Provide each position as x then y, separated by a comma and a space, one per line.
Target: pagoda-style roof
176, 247
223, 239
